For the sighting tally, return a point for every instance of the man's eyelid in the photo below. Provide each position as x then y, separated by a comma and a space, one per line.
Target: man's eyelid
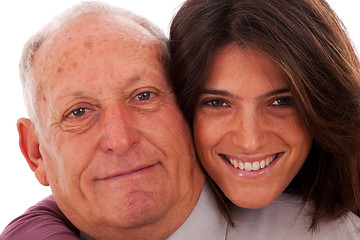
80, 105
150, 89
79, 98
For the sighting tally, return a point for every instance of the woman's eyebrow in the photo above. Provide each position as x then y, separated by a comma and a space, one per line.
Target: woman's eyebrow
217, 92
228, 94
274, 92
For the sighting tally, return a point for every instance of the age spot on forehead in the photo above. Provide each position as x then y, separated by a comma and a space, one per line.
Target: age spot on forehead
88, 45
74, 65
66, 54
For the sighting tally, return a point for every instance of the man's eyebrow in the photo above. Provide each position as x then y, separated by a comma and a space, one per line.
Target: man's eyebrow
75, 94
78, 94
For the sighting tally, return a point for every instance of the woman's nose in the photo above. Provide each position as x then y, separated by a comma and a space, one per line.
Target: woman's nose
247, 131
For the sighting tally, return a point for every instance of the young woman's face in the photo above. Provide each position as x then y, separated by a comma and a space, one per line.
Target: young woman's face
247, 131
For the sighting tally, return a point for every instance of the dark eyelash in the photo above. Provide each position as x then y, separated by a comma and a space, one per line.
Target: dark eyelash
218, 102
288, 101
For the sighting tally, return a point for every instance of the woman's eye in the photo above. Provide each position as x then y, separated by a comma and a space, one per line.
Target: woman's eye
216, 103
143, 96
78, 112
283, 101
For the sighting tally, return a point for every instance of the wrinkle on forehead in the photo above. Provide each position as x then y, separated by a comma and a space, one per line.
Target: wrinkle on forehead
90, 27
85, 32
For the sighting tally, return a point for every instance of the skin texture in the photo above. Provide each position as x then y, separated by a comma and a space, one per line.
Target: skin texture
246, 114
112, 143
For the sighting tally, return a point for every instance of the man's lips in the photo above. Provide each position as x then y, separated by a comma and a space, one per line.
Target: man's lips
128, 172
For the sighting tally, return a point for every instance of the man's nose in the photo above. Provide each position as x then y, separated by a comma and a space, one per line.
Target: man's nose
246, 131
120, 129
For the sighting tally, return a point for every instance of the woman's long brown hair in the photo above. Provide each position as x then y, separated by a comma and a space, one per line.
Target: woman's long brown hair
309, 43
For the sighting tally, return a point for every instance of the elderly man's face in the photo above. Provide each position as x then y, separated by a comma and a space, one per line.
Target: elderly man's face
115, 148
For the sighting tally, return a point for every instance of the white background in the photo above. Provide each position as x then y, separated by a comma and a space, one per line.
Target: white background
19, 19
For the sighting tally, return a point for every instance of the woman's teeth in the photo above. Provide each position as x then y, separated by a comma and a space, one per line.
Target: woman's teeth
248, 166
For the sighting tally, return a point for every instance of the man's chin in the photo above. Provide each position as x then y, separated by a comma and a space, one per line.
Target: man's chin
134, 210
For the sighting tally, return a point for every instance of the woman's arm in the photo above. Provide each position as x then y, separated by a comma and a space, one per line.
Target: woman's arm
43, 221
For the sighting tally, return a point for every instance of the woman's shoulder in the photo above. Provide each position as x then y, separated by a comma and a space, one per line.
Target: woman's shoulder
288, 218
41, 221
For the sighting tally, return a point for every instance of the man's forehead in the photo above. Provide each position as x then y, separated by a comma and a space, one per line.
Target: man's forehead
83, 38
94, 30
97, 26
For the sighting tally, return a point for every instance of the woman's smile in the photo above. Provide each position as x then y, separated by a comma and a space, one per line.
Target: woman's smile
250, 164
247, 132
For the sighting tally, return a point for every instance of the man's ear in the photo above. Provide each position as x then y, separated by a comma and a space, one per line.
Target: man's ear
30, 148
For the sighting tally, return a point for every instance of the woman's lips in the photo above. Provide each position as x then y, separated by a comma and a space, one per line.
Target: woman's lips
250, 165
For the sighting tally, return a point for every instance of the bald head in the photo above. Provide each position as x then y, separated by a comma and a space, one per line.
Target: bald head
31, 88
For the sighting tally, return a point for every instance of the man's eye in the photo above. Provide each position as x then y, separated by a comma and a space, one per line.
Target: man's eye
283, 101
78, 112
144, 96
80, 117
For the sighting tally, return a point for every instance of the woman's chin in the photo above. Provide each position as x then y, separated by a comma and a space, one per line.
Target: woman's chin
253, 202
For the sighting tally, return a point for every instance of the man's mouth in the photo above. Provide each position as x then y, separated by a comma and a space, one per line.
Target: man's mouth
251, 166
128, 172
